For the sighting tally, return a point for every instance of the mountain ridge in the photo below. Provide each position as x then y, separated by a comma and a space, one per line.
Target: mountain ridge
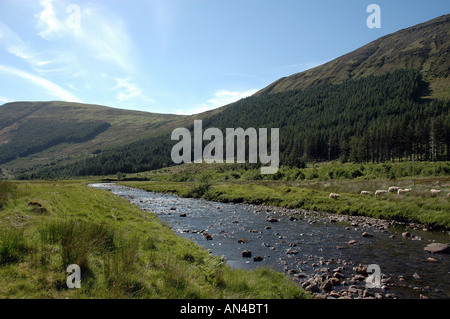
425, 47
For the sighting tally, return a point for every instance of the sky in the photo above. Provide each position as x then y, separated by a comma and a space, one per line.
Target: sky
180, 56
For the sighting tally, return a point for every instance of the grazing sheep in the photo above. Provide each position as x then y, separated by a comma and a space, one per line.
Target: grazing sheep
334, 196
381, 191
402, 191
393, 189
365, 193
448, 195
434, 192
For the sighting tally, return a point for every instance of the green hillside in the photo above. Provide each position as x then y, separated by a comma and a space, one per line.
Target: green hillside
424, 47
45, 133
372, 119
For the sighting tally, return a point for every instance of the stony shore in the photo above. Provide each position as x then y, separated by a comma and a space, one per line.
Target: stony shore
336, 278
341, 279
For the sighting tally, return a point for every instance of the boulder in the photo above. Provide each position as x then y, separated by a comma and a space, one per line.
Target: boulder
313, 288
327, 286
292, 271
247, 253
438, 248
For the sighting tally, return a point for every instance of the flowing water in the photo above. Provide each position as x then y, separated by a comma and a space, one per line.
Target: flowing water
305, 245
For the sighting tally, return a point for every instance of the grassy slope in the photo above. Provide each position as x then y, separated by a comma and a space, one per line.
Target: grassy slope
126, 126
123, 251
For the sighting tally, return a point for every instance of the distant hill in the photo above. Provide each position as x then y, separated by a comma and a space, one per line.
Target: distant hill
41, 133
424, 47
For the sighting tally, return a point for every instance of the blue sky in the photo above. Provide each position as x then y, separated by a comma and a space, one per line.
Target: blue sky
179, 56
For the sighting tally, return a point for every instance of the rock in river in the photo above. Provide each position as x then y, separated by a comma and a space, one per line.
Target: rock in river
257, 258
438, 248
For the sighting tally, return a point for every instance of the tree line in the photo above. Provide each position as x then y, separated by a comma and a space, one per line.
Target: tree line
37, 135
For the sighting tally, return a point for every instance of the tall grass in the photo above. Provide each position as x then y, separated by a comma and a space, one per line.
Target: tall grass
78, 239
122, 273
12, 245
7, 190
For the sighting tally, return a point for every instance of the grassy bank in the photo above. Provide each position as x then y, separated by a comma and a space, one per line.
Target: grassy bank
418, 206
326, 171
123, 252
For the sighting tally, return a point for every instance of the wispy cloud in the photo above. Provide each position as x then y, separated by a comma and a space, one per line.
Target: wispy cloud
128, 90
82, 43
13, 43
50, 87
220, 98
97, 33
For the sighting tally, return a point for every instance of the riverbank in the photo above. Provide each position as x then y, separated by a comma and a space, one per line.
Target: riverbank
416, 207
326, 253
123, 252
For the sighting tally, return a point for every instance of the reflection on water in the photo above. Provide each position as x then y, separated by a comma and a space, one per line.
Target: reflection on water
228, 229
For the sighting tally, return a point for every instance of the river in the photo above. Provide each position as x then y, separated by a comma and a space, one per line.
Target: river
305, 244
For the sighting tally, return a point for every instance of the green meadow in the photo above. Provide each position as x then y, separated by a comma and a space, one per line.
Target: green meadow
123, 252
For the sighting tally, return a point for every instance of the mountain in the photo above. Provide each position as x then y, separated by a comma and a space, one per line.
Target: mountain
424, 47
389, 100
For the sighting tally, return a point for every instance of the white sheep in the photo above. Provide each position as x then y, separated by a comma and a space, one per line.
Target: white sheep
393, 189
365, 193
402, 191
448, 195
381, 191
434, 192
334, 196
